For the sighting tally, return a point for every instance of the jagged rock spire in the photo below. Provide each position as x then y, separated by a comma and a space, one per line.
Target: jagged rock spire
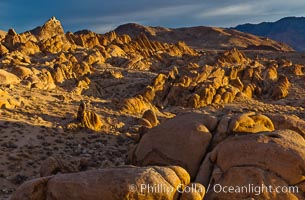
51, 28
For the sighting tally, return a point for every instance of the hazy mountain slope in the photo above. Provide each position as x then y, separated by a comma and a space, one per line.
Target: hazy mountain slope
290, 30
202, 37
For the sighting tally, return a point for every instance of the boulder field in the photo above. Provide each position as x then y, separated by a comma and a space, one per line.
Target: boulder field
190, 157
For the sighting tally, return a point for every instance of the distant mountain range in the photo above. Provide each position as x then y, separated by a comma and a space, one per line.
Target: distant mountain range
202, 37
290, 30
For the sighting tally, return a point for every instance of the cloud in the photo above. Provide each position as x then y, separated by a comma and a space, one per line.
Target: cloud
242, 9
138, 15
147, 17
193, 13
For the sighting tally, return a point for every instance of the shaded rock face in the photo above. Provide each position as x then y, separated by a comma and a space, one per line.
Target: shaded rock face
111, 184
3, 50
275, 158
281, 89
22, 72
288, 122
183, 141
43, 81
7, 78
53, 165
149, 119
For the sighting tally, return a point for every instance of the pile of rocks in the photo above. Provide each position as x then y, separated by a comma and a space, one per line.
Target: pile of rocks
195, 86
228, 150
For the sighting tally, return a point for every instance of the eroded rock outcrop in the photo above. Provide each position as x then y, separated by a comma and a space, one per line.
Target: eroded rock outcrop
111, 184
149, 119
250, 123
195, 86
88, 119
9, 102
281, 89
137, 104
193, 191
235, 124
143, 53
50, 29
288, 122
237, 150
233, 56
273, 159
53, 165
181, 141
7, 78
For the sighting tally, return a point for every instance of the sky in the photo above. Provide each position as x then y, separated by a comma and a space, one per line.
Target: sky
104, 15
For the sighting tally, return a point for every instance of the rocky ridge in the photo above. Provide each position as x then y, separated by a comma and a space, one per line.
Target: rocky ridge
202, 37
289, 30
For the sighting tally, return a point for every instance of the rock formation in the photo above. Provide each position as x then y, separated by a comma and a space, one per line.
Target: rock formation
182, 141
270, 157
194, 86
8, 101
113, 183
88, 119
264, 157
74, 106
52, 166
